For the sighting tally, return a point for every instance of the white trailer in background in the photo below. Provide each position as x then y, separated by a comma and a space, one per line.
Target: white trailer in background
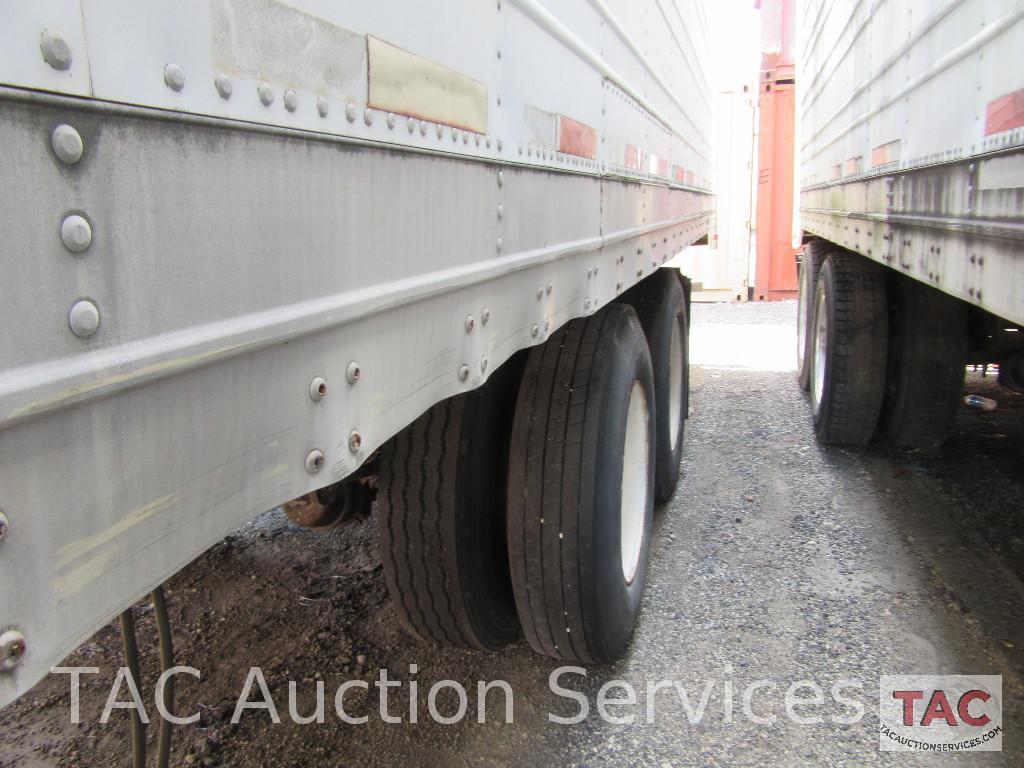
247, 243
723, 269
911, 117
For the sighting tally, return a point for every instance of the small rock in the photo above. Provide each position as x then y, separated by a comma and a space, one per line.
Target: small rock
360, 659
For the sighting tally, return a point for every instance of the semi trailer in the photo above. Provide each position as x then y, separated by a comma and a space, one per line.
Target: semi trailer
263, 253
911, 143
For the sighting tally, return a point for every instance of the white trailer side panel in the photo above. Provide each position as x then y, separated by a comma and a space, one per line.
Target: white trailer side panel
269, 192
912, 123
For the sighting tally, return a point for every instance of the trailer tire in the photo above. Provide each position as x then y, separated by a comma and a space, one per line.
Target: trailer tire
850, 342
928, 343
581, 487
441, 517
810, 266
661, 307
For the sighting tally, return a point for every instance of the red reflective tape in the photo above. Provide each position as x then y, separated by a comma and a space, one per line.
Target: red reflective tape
632, 157
576, 138
1005, 113
678, 173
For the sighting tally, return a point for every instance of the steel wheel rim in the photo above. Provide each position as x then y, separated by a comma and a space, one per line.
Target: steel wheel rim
820, 351
635, 475
675, 383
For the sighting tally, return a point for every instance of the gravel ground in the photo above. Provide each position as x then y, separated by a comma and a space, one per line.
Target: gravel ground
775, 560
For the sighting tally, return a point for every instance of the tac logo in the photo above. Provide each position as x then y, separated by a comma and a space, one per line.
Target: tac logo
940, 713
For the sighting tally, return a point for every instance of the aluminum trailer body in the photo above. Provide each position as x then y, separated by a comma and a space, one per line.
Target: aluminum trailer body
246, 242
912, 140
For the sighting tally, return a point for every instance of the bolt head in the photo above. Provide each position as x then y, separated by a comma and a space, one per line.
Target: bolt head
174, 77
549, 289
67, 144
501, 178
84, 319
56, 51
4, 525
463, 372
410, 124
12, 649
350, 112
540, 292
314, 461
391, 119
423, 127
76, 233
355, 441
291, 100
483, 364
499, 244
322, 106
470, 323
440, 130
485, 315
266, 94
317, 389
535, 330
224, 86
368, 116
353, 372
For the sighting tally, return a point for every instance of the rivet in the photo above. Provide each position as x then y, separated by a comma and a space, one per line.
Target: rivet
477, 139
465, 137
84, 318
485, 315
498, 245
355, 441
174, 77
487, 141
455, 134
586, 304
501, 178
291, 100
535, 330
463, 372
549, 289
223, 85
501, 211
368, 116
618, 287
483, 365
76, 233
540, 292
410, 124
4, 525
590, 273
639, 273
423, 127
470, 323
499, 145
314, 461
266, 95
596, 270
56, 51
317, 389
391, 119
353, 372
67, 144
12, 649
322, 106
440, 130
350, 112
547, 325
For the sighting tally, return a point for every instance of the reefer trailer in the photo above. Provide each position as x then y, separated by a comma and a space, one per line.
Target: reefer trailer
260, 253
911, 131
